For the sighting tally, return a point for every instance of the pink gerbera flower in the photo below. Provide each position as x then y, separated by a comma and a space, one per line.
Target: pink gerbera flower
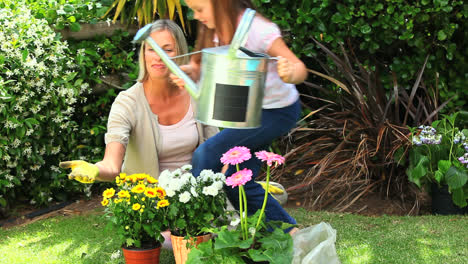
236, 155
239, 178
270, 157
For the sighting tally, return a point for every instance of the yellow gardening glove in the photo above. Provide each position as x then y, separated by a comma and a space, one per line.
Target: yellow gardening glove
82, 171
276, 190
272, 189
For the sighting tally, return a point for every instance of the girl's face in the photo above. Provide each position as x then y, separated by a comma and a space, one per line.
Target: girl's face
154, 65
202, 11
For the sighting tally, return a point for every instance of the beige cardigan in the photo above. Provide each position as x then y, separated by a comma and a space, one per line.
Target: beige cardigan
132, 123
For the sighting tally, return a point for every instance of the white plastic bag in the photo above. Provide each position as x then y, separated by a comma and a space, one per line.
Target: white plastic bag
315, 245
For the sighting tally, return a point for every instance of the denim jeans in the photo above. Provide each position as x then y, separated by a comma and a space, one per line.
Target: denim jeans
275, 123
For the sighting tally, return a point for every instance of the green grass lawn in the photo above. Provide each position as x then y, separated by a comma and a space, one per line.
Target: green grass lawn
360, 239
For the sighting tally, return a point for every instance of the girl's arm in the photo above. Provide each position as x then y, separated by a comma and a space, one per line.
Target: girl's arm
110, 166
290, 68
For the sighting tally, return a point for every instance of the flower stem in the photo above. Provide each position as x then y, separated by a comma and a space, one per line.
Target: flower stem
264, 199
241, 206
245, 209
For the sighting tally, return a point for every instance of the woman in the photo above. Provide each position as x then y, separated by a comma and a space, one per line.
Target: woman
151, 125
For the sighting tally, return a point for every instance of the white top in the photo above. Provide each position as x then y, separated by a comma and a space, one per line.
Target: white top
261, 35
179, 142
133, 124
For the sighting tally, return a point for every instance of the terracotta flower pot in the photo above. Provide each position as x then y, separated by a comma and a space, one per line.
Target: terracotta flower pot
179, 246
142, 255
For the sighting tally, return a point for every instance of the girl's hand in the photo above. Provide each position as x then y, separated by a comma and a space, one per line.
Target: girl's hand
285, 69
179, 81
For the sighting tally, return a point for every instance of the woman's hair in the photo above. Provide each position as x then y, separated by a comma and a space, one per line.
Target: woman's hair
227, 12
180, 45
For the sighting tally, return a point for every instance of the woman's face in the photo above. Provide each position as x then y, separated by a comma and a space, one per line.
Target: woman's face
202, 11
154, 65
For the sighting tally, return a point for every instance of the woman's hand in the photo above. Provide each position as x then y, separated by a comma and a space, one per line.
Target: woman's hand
286, 69
82, 171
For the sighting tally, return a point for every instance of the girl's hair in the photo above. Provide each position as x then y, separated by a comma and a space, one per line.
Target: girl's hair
180, 45
225, 19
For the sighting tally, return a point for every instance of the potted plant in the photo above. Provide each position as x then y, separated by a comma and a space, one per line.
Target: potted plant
438, 159
248, 239
196, 203
138, 211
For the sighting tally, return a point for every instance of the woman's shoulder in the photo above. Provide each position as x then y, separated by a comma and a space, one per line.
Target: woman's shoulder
131, 94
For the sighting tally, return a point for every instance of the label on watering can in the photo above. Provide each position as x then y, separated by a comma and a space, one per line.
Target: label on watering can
230, 102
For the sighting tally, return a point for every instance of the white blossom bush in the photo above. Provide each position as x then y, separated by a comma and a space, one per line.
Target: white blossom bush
39, 88
195, 202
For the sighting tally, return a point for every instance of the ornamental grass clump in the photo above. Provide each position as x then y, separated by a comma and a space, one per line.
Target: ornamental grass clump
137, 210
196, 202
250, 238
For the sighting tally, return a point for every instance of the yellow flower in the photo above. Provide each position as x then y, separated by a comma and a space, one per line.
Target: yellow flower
131, 178
160, 192
117, 180
141, 210
123, 176
141, 176
150, 192
116, 201
105, 202
143, 199
162, 203
136, 206
139, 188
108, 193
127, 227
151, 180
123, 194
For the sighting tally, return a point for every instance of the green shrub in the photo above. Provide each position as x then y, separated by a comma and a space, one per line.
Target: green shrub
392, 35
39, 87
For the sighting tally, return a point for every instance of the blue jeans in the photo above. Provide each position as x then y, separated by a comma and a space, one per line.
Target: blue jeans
275, 123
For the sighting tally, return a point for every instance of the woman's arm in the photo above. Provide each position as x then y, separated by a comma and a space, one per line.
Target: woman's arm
110, 166
290, 68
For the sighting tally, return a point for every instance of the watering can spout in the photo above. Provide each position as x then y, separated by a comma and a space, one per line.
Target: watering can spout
143, 34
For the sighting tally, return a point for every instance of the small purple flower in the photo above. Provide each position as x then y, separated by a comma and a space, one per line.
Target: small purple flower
464, 159
459, 137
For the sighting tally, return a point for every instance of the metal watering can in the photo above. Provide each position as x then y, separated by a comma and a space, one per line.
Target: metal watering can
230, 91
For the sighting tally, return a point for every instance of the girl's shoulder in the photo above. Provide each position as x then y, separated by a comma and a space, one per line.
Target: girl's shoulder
262, 33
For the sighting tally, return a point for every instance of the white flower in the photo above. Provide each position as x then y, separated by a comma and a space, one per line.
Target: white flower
252, 230
60, 12
170, 192
210, 190
186, 167
206, 175
115, 255
235, 222
220, 177
184, 197
193, 191
218, 185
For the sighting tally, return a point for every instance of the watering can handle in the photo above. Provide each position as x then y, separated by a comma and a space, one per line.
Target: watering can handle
241, 32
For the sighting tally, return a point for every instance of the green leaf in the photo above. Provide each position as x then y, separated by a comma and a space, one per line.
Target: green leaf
444, 166
441, 35
231, 239
366, 29
75, 27
456, 178
459, 198
25, 54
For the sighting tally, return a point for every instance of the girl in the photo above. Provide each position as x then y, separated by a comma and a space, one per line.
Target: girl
281, 108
